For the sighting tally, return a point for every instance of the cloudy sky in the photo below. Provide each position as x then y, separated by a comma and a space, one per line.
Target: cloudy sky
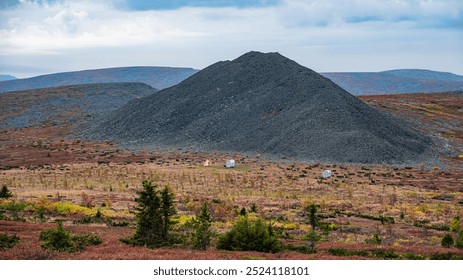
47, 36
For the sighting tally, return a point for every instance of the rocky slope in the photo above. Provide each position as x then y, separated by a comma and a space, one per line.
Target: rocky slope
268, 104
66, 105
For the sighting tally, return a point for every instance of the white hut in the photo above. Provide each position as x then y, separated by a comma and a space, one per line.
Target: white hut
326, 174
230, 163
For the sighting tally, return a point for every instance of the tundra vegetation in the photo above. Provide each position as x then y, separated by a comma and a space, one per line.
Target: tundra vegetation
364, 211
361, 212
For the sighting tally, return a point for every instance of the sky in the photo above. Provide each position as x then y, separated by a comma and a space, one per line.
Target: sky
48, 36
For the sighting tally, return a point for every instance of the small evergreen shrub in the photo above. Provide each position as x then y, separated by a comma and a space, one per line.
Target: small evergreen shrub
7, 241
5, 192
111, 223
380, 254
442, 256
14, 206
83, 240
254, 208
202, 234
97, 219
402, 215
2, 215
247, 235
61, 240
459, 240
411, 256
297, 248
313, 219
375, 240
339, 252
346, 252
57, 239
447, 240
385, 255
455, 224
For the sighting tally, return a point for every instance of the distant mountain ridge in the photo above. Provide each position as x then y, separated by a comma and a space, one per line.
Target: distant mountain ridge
7, 78
425, 74
357, 83
396, 81
156, 77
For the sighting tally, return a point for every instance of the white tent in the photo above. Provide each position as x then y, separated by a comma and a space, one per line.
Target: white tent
326, 174
230, 163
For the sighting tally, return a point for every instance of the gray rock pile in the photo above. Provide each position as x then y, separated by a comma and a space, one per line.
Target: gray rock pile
264, 103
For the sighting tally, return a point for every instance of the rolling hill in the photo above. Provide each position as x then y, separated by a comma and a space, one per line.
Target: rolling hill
66, 105
357, 83
7, 78
396, 81
263, 103
157, 77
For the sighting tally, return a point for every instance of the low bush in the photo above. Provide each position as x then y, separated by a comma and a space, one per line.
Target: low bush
381, 218
68, 208
96, 219
411, 256
455, 224
254, 208
5, 192
447, 240
424, 224
59, 239
7, 241
442, 256
297, 248
87, 239
374, 240
385, 255
2, 215
247, 235
13, 205
459, 240
380, 254
111, 223
345, 252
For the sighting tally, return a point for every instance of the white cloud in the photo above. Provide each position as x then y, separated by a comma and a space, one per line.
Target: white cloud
62, 26
324, 35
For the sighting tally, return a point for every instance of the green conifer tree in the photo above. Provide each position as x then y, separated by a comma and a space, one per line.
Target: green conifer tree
5, 192
167, 211
154, 212
201, 238
447, 240
311, 211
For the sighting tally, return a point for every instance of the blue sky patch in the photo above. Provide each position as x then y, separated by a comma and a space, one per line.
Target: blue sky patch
175, 4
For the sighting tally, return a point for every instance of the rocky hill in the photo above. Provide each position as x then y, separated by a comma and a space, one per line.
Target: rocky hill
157, 77
268, 104
66, 105
396, 81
